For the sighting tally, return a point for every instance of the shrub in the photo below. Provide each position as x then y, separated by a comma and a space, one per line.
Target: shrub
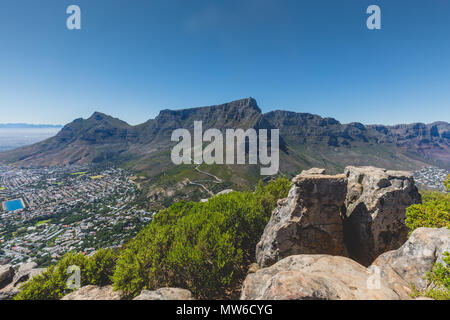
439, 278
203, 247
447, 183
434, 212
51, 284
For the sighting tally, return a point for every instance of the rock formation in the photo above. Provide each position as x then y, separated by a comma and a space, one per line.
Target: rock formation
165, 294
359, 214
93, 293
10, 285
309, 220
315, 277
410, 263
6, 275
375, 210
306, 277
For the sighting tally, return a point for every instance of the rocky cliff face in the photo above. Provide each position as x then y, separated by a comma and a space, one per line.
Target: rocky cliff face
359, 214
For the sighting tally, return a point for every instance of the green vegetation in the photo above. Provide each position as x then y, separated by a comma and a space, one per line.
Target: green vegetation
439, 278
52, 284
434, 212
42, 222
203, 247
96, 177
78, 173
447, 183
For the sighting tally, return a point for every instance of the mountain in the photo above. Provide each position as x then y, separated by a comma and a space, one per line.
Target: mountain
95, 139
306, 140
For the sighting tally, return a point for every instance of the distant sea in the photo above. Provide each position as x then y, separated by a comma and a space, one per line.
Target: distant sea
11, 138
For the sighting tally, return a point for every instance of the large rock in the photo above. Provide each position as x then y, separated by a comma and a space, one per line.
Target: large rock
165, 294
309, 220
359, 214
93, 293
306, 277
376, 203
25, 273
410, 263
6, 275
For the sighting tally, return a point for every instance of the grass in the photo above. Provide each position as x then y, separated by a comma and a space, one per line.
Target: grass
2, 188
42, 222
78, 173
96, 177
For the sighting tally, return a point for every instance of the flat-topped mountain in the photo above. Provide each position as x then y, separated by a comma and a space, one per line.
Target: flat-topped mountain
307, 140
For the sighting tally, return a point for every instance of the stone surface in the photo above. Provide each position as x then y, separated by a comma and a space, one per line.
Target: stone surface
93, 293
359, 214
165, 294
6, 275
25, 273
308, 277
309, 220
313, 171
376, 203
411, 262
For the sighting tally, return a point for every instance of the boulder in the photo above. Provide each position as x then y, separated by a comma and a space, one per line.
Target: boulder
91, 292
313, 171
375, 204
309, 220
25, 273
165, 294
6, 275
311, 277
359, 214
410, 263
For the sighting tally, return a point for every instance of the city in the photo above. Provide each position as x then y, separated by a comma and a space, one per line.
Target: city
47, 212
430, 178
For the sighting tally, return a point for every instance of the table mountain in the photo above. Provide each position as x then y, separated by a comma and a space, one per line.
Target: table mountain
307, 141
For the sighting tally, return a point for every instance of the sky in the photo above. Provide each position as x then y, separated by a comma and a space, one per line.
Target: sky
133, 58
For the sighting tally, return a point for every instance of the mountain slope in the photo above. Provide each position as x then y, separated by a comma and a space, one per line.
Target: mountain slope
95, 139
307, 140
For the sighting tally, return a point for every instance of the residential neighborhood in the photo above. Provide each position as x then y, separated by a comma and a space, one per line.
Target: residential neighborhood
431, 178
61, 209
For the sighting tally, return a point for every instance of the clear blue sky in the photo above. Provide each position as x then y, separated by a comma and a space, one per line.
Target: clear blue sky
135, 57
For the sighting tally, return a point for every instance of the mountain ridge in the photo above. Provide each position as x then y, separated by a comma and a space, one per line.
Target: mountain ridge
308, 139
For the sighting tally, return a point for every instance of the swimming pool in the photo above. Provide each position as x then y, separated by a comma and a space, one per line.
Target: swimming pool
13, 205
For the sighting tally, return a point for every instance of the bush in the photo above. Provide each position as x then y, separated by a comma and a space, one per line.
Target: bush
434, 212
439, 278
203, 247
52, 284
447, 183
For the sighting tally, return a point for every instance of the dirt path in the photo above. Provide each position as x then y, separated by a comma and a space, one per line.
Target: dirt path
197, 182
